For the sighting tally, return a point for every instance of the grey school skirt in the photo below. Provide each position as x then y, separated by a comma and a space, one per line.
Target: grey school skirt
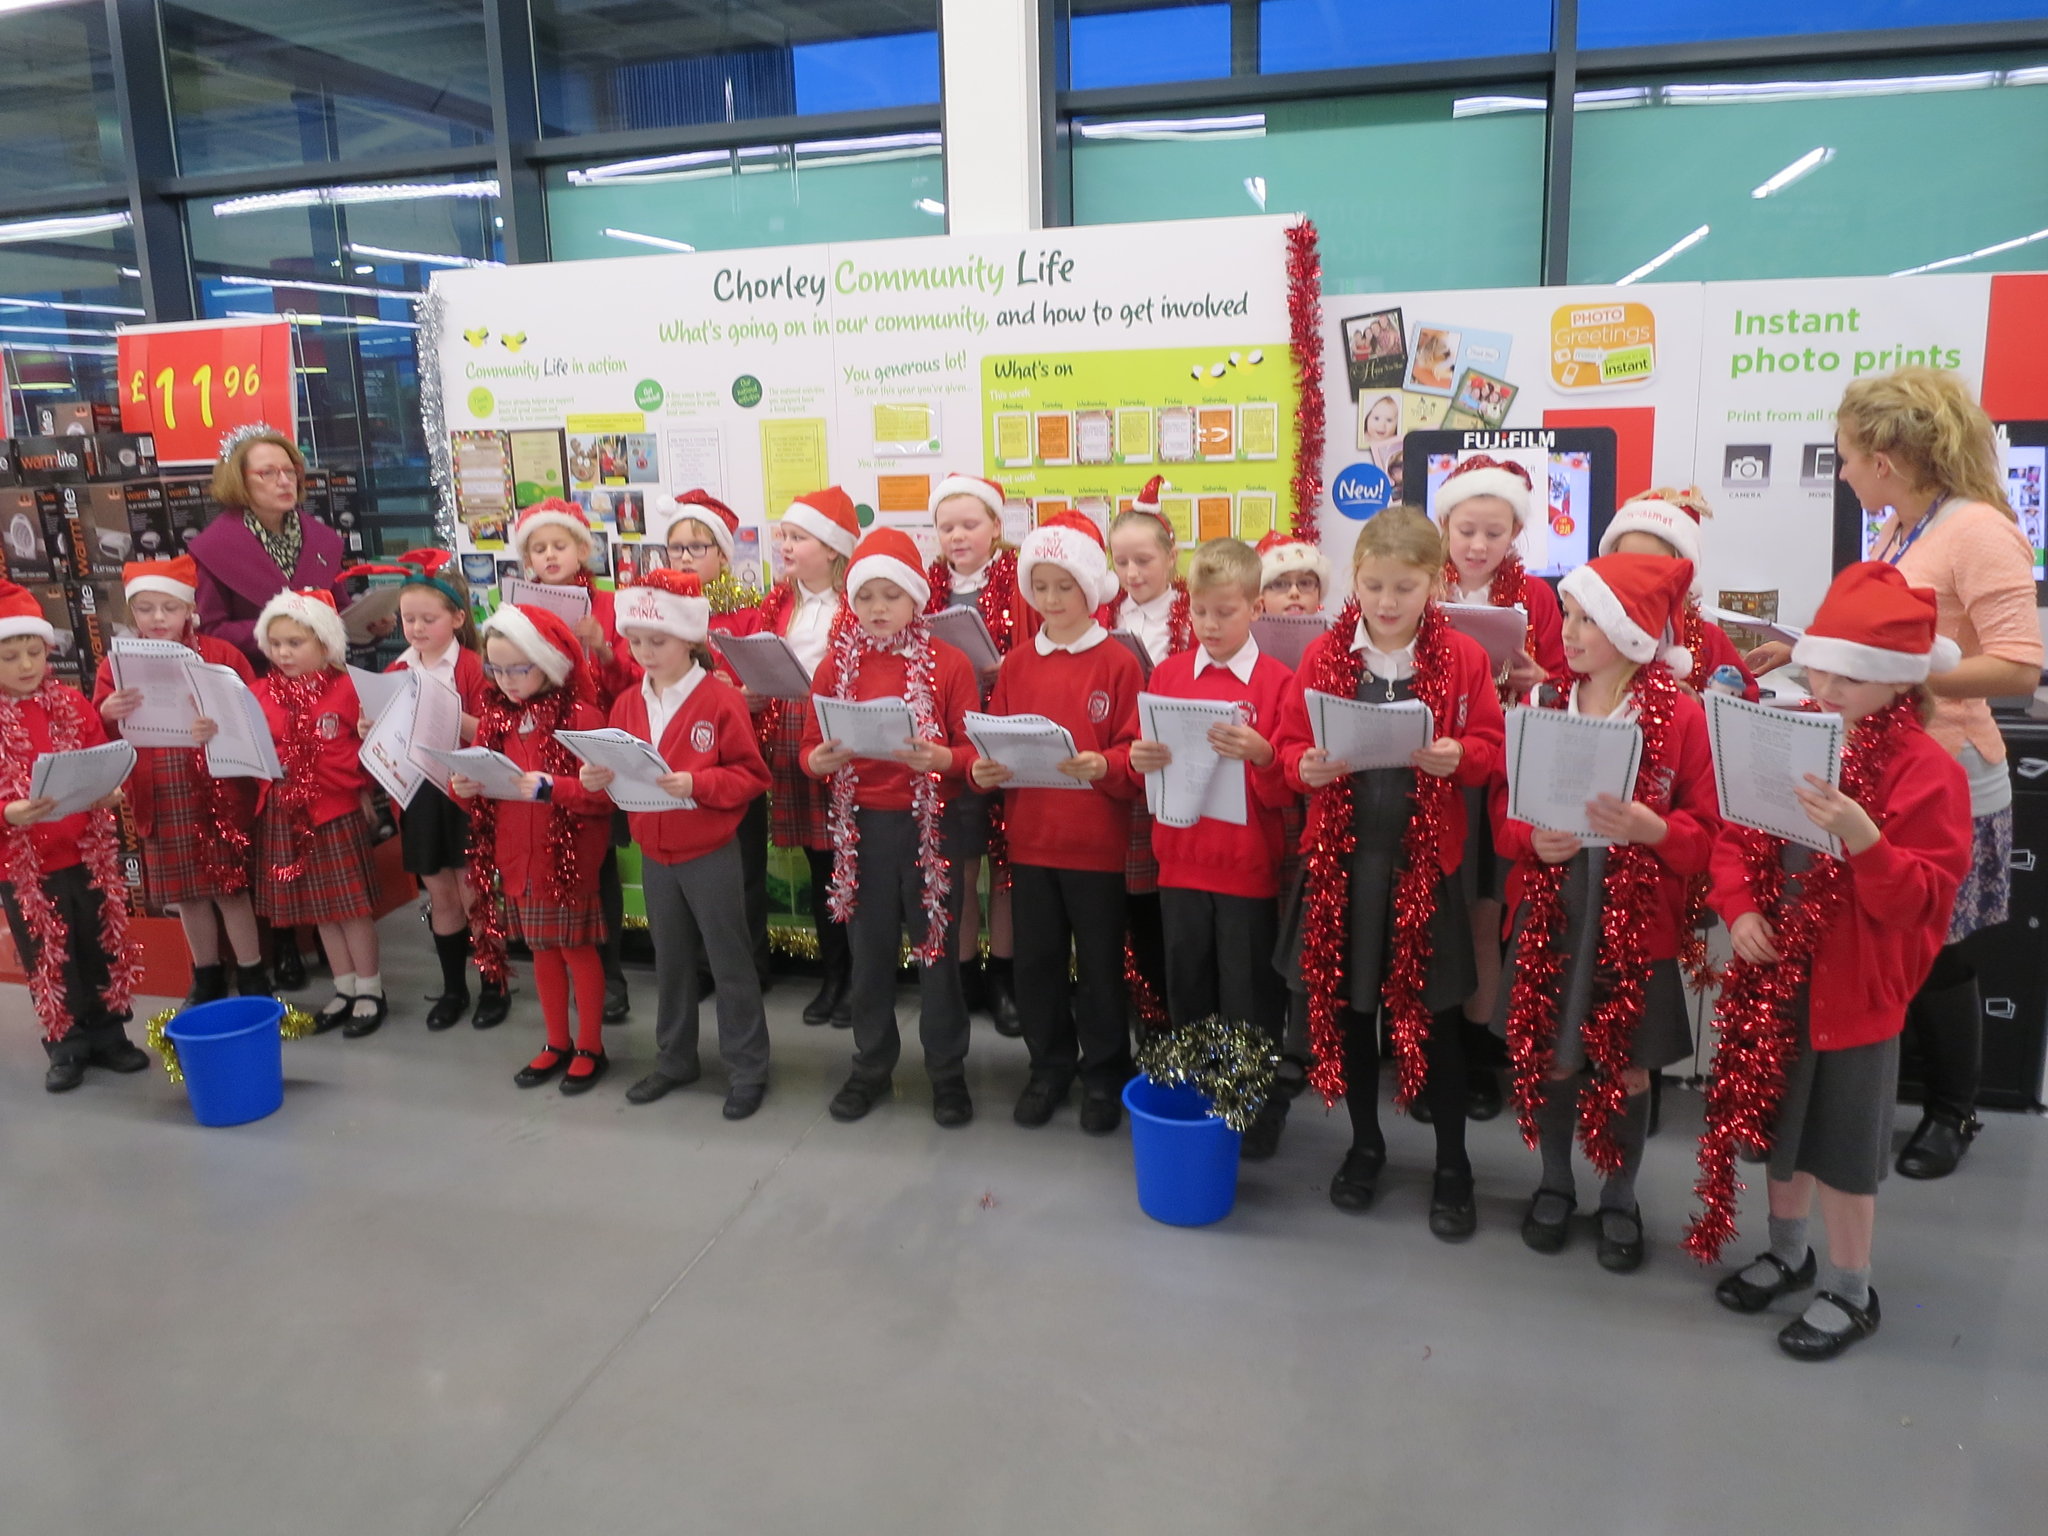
1836, 1118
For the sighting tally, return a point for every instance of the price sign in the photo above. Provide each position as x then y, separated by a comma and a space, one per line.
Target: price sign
190, 385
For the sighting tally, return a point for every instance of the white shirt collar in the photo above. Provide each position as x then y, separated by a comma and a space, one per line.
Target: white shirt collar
445, 667
1390, 665
971, 582
1239, 666
675, 692
1625, 710
1158, 608
1093, 636
805, 597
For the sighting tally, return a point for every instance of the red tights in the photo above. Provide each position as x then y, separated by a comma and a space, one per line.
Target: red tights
552, 970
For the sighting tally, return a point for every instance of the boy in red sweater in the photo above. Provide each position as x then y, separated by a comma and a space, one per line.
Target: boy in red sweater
896, 864
1067, 847
691, 870
1219, 884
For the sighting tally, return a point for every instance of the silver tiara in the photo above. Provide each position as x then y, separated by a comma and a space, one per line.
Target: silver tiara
242, 434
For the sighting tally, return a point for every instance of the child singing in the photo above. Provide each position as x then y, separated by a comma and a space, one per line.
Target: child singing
1669, 523
1828, 952
194, 827
1292, 575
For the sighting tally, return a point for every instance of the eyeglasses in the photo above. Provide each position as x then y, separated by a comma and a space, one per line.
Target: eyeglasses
519, 672
692, 551
277, 472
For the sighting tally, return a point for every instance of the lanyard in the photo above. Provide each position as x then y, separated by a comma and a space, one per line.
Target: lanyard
1918, 528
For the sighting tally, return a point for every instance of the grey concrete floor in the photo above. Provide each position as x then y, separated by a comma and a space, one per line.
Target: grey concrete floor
418, 1300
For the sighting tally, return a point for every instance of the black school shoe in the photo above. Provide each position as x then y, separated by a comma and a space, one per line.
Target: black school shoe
951, 1105
333, 1013
658, 1084
1352, 1185
63, 1076
1624, 1254
1802, 1341
290, 971
1041, 1096
742, 1099
582, 1082
1102, 1111
1482, 1094
543, 1068
830, 999
852, 1102
1738, 1295
1453, 1215
448, 1010
617, 1003
209, 984
361, 1024
1548, 1237
1937, 1145
1262, 1136
123, 1056
493, 1007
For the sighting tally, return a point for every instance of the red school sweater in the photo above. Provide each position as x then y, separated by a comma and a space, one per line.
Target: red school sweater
471, 685
523, 824
1213, 855
56, 842
711, 739
1884, 938
1094, 694
885, 786
1476, 722
141, 794
338, 771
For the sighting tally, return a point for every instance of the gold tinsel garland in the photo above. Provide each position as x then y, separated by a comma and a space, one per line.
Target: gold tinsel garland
1225, 1060
296, 1025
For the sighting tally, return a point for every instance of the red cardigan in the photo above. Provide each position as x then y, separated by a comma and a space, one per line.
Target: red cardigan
1692, 822
1476, 723
885, 786
1883, 941
523, 824
337, 770
56, 842
141, 794
1094, 694
712, 740
1214, 855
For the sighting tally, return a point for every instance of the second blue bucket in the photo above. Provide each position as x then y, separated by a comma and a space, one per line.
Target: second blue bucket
232, 1054
1186, 1159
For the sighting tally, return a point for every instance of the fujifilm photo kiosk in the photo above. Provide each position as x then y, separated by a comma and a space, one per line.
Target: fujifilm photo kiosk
1572, 469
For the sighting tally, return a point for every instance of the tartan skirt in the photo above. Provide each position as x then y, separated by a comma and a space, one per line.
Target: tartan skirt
339, 881
544, 924
797, 803
1141, 866
174, 868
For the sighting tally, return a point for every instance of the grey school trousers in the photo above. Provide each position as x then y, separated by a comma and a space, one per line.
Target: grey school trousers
892, 900
696, 917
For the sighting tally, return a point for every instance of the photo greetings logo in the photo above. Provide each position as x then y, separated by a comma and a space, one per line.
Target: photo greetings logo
1602, 346
1360, 491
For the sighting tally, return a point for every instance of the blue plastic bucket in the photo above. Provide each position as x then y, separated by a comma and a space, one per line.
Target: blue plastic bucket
1186, 1159
233, 1058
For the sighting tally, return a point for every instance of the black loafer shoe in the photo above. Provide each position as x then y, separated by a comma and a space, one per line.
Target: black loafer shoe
743, 1099
1482, 1094
122, 1056
361, 1024
657, 1084
543, 1067
831, 994
951, 1106
1548, 1236
1453, 1216
1623, 1254
1041, 1096
1938, 1144
617, 1005
63, 1076
447, 1011
1352, 1186
333, 1014
1101, 1111
582, 1082
854, 1100
492, 1009
1802, 1341
1262, 1136
1738, 1295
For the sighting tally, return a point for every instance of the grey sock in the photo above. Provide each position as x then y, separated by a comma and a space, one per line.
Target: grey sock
1556, 1119
1788, 1242
1618, 1193
1852, 1285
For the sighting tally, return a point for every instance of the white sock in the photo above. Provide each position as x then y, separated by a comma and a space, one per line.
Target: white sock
371, 985
345, 984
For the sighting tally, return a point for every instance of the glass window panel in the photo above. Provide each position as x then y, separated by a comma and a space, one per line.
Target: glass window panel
1149, 45
59, 124
66, 281
766, 194
1815, 171
349, 261
1351, 34
1421, 190
1629, 23
258, 83
607, 65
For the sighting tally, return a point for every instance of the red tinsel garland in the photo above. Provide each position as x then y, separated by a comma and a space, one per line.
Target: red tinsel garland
851, 645
1622, 969
1692, 928
98, 843
1180, 623
298, 754
224, 850
1305, 335
776, 603
1002, 611
1333, 667
1755, 1020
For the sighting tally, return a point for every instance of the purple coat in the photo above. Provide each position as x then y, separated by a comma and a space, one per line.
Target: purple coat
237, 576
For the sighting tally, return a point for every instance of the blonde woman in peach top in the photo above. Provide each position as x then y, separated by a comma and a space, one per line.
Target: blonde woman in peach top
1916, 443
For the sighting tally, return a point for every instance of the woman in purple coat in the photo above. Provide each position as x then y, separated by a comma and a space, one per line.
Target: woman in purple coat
260, 542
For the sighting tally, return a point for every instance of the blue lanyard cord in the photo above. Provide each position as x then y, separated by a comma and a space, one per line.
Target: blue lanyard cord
1918, 528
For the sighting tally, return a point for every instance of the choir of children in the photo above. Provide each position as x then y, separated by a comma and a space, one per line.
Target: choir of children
1385, 912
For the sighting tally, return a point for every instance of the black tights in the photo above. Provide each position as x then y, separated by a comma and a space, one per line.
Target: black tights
1444, 1089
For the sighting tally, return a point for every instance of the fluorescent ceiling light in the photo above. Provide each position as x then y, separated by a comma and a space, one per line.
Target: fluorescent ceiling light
868, 145
647, 166
1614, 96
51, 330
28, 5
1250, 126
38, 346
130, 272
930, 205
299, 319
1807, 163
360, 290
1655, 262
67, 224
1255, 188
1990, 250
430, 258
364, 192
82, 309
1823, 90
1485, 106
662, 241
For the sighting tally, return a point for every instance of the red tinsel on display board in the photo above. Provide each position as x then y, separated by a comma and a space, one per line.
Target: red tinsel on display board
1305, 327
1622, 970
1756, 1021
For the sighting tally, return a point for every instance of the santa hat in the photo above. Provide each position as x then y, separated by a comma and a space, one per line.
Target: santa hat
1484, 476
1634, 599
21, 614
1875, 628
828, 517
987, 492
888, 554
667, 602
313, 608
1071, 541
177, 578
701, 506
1673, 516
1282, 554
1147, 500
543, 638
552, 513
